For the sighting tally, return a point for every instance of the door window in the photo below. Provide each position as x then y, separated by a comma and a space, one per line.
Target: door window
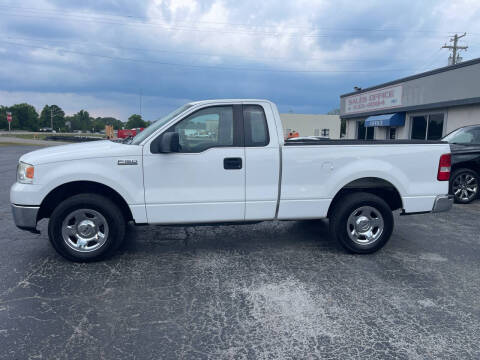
427, 127
370, 133
364, 133
361, 130
204, 129
392, 133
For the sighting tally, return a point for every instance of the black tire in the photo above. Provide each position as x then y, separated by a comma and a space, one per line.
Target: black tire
345, 207
101, 205
457, 176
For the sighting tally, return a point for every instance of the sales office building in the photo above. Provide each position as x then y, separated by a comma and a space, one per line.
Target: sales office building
426, 106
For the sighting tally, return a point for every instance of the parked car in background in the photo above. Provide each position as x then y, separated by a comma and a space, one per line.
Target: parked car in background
465, 147
47, 129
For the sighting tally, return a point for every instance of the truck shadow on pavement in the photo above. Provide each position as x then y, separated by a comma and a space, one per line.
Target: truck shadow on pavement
243, 238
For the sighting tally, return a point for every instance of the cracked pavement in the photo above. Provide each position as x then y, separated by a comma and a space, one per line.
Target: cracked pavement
272, 290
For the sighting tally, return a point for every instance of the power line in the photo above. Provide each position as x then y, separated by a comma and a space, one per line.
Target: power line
196, 66
271, 58
430, 61
114, 21
165, 26
62, 12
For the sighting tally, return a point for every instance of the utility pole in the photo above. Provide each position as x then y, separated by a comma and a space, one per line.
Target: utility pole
455, 49
141, 93
51, 118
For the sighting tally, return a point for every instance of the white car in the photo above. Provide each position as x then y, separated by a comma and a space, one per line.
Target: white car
245, 172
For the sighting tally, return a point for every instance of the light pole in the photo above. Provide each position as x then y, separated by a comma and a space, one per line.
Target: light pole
51, 116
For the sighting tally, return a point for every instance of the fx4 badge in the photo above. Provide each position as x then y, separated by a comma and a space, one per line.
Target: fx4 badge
127, 162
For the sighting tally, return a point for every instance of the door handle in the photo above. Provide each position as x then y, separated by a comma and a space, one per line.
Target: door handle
232, 163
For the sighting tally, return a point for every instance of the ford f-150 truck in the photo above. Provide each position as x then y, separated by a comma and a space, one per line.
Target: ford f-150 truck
221, 162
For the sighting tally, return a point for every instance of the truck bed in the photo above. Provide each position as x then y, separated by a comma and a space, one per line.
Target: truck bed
302, 142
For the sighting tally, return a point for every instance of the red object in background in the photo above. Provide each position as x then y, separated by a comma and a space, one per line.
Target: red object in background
123, 134
9, 116
293, 134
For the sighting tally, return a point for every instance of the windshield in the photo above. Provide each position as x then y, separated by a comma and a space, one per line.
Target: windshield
158, 124
465, 136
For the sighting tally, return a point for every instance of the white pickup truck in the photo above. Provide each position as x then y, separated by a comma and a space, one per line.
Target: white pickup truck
221, 162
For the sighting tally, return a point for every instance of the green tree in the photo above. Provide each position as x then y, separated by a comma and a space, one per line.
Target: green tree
100, 122
81, 121
24, 117
136, 121
3, 118
68, 123
52, 112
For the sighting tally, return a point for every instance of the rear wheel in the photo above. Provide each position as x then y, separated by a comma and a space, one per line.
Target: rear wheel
361, 222
464, 186
86, 227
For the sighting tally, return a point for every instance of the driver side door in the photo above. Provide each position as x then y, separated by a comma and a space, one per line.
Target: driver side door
205, 180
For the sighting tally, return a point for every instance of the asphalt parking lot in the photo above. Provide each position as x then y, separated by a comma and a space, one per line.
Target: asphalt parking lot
266, 291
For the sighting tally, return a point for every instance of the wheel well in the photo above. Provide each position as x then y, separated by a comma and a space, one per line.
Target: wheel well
466, 165
380, 187
62, 192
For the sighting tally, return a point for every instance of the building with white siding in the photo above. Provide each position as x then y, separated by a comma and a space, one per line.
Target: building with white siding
423, 106
312, 124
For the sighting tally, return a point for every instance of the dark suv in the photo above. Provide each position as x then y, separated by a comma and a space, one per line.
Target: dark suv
465, 146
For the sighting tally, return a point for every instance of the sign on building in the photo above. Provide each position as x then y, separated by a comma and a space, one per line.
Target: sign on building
380, 99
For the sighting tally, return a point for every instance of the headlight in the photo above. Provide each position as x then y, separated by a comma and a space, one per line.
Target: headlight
25, 173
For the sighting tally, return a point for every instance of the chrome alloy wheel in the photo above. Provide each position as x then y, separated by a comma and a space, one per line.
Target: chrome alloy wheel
84, 230
365, 225
465, 187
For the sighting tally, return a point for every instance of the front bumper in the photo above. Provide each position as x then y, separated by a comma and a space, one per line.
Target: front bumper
25, 217
442, 203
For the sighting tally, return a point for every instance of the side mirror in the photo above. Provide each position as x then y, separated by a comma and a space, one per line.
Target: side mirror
168, 142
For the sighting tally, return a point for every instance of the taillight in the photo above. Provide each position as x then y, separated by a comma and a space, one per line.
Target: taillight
444, 167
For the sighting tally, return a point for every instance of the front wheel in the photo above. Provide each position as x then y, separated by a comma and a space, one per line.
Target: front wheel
361, 222
86, 227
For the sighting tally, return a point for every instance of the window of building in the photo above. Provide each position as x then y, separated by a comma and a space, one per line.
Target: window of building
316, 132
427, 127
364, 133
326, 132
435, 127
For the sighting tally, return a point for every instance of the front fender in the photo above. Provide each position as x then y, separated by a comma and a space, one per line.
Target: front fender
127, 180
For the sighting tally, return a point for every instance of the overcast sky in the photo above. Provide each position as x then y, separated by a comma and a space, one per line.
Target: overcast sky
302, 54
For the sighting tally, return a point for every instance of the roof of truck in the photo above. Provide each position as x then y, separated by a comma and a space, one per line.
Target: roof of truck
228, 101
